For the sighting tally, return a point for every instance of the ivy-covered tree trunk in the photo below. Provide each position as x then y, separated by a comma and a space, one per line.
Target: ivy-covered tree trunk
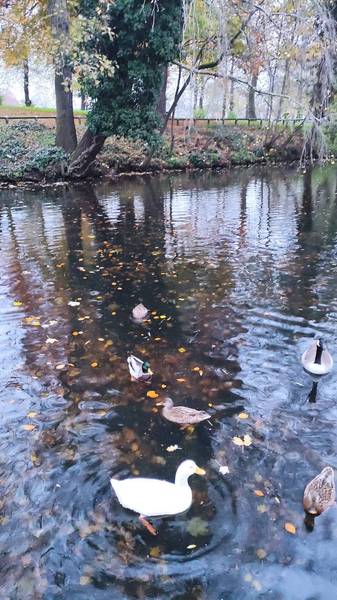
65, 126
161, 104
145, 37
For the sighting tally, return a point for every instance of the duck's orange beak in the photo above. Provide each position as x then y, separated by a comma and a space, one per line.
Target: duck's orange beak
199, 471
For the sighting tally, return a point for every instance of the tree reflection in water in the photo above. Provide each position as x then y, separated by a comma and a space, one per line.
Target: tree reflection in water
238, 271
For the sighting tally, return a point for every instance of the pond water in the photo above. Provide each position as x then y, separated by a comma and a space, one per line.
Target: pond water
239, 271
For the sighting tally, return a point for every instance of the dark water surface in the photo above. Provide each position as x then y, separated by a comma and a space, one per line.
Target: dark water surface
240, 271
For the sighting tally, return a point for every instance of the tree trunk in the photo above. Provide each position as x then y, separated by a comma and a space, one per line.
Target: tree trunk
85, 154
251, 110
28, 101
161, 104
231, 89
83, 101
65, 127
202, 93
66, 136
283, 87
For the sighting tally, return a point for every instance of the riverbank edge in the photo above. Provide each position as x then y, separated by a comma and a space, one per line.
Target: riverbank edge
27, 183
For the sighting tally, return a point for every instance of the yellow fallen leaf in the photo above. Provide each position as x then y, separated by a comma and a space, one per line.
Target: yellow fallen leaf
155, 552
59, 367
191, 547
152, 394
94, 364
247, 440
237, 441
85, 580
17, 303
243, 415
32, 414
74, 333
162, 317
181, 350
29, 427
262, 508
261, 553
290, 528
258, 493
180, 380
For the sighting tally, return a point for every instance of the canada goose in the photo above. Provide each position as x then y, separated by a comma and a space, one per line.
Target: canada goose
317, 359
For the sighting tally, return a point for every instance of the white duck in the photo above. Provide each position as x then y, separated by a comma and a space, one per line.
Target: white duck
316, 359
139, 369
140, 312
156, 497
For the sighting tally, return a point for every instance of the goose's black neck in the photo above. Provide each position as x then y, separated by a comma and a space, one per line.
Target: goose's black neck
319, 351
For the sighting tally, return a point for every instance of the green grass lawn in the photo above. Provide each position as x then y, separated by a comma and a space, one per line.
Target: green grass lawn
6, 110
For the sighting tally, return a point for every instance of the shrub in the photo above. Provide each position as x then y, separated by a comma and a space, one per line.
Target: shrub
200, 113
44, 158
242, 156
177, 162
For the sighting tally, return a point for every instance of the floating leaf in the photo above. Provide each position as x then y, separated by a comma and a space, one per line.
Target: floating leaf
247, 440
262, 508
261, 553
17, 303
258, 493
237, 441
173, 448
73, 303
223, 470
243, 415
152, 394
51, 340
290, 528
32, 414
29, 427
181, 380
94, 365
85, 580
191, 547
155, 552
74, 333
181, 350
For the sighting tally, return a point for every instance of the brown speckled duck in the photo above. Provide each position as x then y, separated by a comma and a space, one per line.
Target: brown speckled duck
183, 415
320, 493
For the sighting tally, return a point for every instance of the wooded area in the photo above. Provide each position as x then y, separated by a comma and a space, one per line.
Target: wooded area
120, 56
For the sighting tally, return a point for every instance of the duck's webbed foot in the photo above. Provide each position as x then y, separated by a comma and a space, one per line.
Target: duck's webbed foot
147, 525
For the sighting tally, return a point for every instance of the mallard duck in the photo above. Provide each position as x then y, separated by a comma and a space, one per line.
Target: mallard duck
139, 369
316, 359
183, 415
140, 312
156, 497
320, 493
